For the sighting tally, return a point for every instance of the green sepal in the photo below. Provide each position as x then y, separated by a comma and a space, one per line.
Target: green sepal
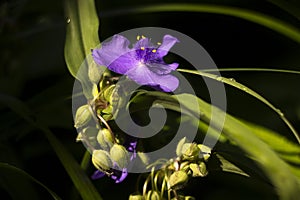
198, 170
178, 179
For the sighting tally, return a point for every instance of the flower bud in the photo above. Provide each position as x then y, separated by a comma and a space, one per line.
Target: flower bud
190, 151
120, 155
153, 195
95, 71
179, 146
178, 179
101, 160
82, 116
205, 151
90, 133
136, 197
108, 93
105, 139
198, 170
189, 198
181, 197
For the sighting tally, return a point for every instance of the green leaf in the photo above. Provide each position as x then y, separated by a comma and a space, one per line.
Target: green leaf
280, 173
76, 173
276, 169
289, 6
274, 24
7, 168
82, 32
81, 38
227, 166
287, 150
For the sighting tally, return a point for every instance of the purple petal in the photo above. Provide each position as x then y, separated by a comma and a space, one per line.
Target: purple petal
115, 55
124, 63
97, 174
167, 43
141, 74
144, 76
162, 68
167, 83
119, 179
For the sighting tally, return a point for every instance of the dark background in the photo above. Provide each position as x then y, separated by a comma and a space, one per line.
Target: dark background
32, 69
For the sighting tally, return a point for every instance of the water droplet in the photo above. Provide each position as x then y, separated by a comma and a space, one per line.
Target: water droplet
280, 112
219, 78
68, 20
232, 79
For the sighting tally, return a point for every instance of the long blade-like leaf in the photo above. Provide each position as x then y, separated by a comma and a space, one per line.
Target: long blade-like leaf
282, 176
278, 171
82, 32
275, 24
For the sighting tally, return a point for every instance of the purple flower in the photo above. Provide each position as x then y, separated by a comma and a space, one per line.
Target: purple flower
143, 63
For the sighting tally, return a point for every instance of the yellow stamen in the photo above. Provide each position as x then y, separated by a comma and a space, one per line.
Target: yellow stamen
143, 37
143, 48
154, 50
138, 37
159, 43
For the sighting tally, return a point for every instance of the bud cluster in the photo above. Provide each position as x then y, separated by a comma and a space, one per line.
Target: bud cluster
190, 163
109, 156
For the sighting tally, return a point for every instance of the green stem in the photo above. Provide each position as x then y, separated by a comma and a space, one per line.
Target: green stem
248, 91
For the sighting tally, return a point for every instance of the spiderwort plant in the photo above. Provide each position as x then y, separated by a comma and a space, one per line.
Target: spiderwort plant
143, 64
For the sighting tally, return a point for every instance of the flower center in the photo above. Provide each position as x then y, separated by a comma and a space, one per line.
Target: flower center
145, 55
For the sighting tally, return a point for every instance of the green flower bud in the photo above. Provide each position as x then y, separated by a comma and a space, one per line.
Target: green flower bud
108, 93
136, 197
82, 116
105, 139
153, 195
189, 198
198, 170
178, 179
205, 151
120, 155
190, 151
203, 169
90, 133
179, 146
95, 71
181, 197
101, 160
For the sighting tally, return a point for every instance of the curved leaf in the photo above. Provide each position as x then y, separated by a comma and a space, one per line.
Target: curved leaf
280, 173
277, 170
250, 15
82, 32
